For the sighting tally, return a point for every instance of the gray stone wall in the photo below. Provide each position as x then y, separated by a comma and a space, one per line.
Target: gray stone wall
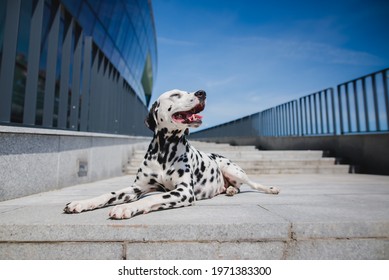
38, 160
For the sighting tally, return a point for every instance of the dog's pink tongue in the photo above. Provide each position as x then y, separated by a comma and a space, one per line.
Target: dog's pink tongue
194, 117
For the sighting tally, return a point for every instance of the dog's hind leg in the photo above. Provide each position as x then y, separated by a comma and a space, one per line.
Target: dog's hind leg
234, 177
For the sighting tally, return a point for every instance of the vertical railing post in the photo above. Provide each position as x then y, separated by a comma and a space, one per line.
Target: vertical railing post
340, 109
298, 112
305, 116
310, 113
356, 105
315, 113
326, 110
365, 104
321, 93
348, 108
375, 98
385, 78
333, 110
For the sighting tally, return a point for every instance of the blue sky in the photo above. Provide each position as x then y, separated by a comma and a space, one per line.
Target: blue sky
251, 55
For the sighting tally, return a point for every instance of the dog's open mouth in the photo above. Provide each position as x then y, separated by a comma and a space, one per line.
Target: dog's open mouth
191, 116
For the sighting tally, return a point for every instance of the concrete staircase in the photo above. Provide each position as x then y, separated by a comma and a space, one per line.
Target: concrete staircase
255, 161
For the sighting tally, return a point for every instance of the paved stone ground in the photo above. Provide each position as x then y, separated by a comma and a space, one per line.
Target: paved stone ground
315, 216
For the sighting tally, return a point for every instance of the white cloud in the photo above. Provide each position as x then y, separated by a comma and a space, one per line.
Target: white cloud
301, 50
221, 82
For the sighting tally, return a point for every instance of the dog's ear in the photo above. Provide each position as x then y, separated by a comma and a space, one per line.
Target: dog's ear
150, 120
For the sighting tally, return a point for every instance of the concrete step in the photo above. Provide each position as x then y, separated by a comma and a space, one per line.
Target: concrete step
315, 216
286, 162
235, 153
269, 169
336, 169
255, 161
135, 162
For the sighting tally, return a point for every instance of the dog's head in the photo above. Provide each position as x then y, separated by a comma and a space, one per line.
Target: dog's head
176, 110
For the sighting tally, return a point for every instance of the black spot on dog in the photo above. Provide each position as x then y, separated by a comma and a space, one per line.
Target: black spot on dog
202, 166
170, 172
177, 194
183, 198
166, 196
137, 190
180, 172
152, 181
121, 195
172, 153
113, 193
199, 176
111, 200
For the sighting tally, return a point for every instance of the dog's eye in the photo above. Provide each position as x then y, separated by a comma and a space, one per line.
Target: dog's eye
176, 95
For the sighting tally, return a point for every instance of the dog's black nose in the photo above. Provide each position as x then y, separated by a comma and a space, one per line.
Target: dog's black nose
200, 94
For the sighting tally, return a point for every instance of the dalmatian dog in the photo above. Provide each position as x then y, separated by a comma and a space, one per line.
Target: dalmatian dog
178, 171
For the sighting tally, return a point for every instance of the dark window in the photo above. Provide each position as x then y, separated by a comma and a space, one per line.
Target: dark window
3, 8
21, 63
43, 63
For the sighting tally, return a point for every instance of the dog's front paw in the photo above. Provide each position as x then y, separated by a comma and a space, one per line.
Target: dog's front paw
273, 190
78, 207
230, 191
125, 211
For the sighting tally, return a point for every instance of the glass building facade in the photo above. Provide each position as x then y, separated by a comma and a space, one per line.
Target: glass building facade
84, 65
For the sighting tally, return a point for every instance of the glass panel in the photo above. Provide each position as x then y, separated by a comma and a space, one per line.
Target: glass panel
58, 68
99, 34
105, 12
3, 8
43, 63
86, 18
121, 36
20, 77
72, 6
116, 19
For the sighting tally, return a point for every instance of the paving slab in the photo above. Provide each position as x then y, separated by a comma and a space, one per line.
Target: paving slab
316, 216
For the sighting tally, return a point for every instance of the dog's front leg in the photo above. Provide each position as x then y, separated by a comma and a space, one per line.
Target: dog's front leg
113, 198
181, 196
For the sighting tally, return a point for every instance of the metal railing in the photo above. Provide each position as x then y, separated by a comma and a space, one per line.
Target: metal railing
364, 104
357, 106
